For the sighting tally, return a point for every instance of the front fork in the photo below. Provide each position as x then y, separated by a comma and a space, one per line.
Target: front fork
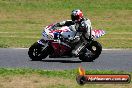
43, 43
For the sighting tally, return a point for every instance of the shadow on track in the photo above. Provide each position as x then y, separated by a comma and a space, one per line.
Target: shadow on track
62, 61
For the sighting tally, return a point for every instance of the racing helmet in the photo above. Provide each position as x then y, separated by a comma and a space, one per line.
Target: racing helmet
76, 15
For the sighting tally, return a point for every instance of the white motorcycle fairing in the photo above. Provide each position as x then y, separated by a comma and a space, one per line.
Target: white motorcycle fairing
68, 32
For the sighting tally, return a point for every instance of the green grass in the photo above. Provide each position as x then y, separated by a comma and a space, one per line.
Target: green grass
31, 78
21, 21
54, 73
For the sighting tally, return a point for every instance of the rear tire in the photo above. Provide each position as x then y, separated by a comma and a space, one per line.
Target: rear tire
36, 53
91, 52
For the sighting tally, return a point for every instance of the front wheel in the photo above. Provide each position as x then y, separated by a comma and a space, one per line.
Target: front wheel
91, 52
38, 52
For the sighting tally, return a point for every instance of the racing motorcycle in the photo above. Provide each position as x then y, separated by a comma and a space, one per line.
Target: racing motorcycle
55, 43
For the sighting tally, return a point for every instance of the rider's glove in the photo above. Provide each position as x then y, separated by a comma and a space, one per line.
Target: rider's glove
56, 35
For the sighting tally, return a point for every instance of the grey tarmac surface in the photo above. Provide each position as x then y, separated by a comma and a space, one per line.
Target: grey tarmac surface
120, 60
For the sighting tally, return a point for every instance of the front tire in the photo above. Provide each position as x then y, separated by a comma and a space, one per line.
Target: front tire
91, 52
37, 53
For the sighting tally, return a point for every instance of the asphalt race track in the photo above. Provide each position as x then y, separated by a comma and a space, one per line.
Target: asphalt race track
108, 60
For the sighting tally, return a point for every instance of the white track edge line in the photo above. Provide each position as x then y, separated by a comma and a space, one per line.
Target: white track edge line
102, 49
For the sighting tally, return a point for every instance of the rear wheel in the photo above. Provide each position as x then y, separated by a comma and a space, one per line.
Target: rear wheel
38, 52
91, 52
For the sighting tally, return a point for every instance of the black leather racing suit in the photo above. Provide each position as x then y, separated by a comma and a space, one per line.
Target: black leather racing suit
83, 27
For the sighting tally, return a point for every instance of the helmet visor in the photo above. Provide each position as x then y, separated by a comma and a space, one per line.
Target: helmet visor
74, 18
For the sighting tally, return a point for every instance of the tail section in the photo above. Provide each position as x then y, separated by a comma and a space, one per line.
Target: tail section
96, 33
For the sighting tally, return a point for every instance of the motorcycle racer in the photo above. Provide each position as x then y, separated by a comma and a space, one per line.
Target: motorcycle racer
71, 38
81, 26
